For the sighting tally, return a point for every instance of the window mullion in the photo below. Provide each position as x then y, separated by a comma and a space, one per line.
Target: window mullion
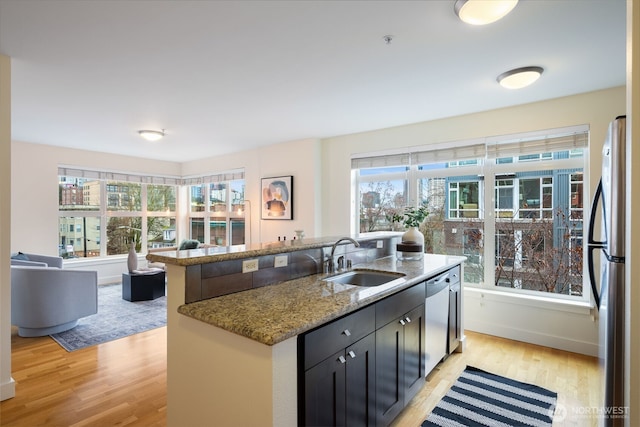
489, 223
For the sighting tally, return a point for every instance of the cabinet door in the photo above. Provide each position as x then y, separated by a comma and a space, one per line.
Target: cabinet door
414, 353
361, 382
455, 329
389, 372
325, 392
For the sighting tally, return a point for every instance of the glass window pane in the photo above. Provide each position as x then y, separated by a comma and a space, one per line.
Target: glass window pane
79, 237
237, 195
123, 196
378, 200
218, 197
544, 256
76, 194
198, 193
237, 231
121, 232
218, 233
161, 232
460, 231
196, 229
161, 198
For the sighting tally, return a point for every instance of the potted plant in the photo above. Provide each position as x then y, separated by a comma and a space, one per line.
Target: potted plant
412, 245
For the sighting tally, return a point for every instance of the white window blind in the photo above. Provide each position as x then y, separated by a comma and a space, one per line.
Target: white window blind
538, 145
208, 179
465, 152
148, 179
402, 159
548, 141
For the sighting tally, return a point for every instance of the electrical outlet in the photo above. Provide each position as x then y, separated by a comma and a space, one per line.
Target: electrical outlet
379, 244
280, 261
249, 265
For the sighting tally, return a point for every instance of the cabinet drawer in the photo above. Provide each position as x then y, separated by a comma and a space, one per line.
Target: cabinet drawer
454, 275
337, 335
396, 305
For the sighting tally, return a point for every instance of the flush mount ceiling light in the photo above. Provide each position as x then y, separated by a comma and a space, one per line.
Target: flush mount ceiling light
482, 12
151, 135
519, 77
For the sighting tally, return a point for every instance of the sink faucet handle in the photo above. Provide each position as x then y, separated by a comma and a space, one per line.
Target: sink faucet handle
340, 262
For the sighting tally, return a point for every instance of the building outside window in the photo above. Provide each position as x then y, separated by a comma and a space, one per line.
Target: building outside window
525, 191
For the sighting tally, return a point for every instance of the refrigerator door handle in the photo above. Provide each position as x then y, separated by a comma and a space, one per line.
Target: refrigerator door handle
594, 244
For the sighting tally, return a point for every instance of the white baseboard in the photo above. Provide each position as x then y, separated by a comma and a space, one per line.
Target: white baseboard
8, 389
546, 340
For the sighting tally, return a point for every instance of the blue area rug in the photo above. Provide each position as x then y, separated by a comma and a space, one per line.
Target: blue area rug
479, 398
116, 318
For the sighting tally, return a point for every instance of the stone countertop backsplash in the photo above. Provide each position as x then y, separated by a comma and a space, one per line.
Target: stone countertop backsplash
274, 313
225, 253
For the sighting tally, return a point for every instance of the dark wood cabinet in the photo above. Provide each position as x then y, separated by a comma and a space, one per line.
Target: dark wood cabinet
364, 368
400, 369
339, 372
340, 390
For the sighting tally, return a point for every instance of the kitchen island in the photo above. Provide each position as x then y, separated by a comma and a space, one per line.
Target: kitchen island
232, 360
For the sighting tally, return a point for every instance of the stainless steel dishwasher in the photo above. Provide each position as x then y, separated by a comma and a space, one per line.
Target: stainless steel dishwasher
436, 320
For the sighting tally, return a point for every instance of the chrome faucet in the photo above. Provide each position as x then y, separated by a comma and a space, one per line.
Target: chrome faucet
331, 267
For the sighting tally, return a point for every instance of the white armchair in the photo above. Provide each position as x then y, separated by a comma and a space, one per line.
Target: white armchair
47, 300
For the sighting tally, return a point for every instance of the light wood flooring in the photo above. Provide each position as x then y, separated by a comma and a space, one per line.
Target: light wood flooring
124, 382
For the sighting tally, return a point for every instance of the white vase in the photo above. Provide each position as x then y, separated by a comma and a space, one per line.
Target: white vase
413, 235
412, 245
132, 259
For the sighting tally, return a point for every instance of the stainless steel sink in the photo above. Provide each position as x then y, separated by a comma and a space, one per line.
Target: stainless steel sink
366, 278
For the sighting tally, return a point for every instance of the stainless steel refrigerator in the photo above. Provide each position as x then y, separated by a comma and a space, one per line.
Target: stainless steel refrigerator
609, 294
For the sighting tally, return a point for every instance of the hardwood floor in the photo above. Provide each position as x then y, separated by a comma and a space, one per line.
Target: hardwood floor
121, 382
124, 382
575, 377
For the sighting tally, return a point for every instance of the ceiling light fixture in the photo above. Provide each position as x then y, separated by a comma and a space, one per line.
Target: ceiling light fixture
151, 135
482, 12
519, 77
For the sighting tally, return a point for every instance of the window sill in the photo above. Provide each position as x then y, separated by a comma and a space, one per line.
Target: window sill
548, 303
77, 262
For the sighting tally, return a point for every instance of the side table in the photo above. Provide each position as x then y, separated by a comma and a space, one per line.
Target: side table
141, 287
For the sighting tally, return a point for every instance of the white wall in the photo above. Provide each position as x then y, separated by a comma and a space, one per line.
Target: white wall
569, 328
7, 385
301, 159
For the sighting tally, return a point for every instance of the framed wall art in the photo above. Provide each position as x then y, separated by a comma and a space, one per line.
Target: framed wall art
277, 198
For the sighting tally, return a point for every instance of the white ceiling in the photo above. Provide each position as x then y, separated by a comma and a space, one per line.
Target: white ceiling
225, 76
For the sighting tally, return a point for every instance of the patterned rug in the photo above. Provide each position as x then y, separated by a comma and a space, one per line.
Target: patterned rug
116, 318
479, 398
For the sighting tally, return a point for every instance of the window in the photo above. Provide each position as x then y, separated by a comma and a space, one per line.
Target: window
513, 206
132, 211
216, 210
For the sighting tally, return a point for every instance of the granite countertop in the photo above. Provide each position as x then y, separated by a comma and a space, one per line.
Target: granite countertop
224, 253
274, 313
